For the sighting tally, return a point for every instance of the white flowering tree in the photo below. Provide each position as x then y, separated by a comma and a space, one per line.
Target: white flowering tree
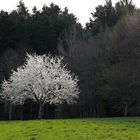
44, 79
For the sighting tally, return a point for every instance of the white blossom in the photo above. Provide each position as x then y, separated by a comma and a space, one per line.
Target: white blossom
43, 79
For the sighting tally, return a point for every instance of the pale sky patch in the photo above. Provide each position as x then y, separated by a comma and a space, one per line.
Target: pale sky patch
81, 8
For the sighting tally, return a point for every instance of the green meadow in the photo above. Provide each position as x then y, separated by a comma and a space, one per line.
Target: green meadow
72, 129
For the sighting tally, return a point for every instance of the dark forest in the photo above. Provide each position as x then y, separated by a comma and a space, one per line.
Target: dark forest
105, 55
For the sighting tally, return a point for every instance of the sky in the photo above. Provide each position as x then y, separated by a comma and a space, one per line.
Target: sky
81, 8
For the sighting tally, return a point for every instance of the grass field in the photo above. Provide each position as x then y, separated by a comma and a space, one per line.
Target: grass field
72, 129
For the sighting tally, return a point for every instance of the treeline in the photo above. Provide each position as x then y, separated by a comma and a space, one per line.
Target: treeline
105, 55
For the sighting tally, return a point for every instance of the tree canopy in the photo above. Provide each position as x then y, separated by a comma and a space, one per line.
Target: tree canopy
43, 79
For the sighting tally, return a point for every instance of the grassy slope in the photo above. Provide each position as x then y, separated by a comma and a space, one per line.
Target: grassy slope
72, 129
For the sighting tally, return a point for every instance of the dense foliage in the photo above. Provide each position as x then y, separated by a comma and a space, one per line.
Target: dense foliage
107, 16
39, 30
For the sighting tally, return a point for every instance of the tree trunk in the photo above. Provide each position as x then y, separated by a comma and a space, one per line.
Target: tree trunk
40, 111
30, 110
59, 112
5, 107
10, 111
126, 110
21, 113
